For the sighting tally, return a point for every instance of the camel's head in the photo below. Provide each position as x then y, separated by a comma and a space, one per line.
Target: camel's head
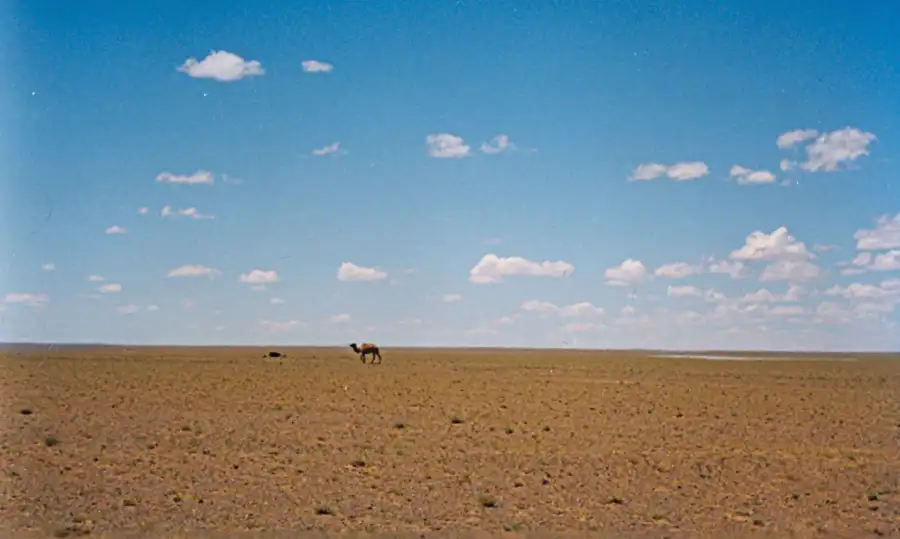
354, 347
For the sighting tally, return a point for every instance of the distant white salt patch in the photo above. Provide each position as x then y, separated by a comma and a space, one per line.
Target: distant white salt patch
714, 357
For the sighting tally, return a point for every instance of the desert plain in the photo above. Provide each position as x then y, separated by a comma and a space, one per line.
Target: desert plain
221, 442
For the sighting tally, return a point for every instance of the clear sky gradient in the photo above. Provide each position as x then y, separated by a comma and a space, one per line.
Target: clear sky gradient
694, 174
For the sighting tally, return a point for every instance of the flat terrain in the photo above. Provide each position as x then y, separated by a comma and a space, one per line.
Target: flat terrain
167, 442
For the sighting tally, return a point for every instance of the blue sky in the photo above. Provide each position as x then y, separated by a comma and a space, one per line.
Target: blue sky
492, 174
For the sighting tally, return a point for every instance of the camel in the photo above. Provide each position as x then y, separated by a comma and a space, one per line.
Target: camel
367, 348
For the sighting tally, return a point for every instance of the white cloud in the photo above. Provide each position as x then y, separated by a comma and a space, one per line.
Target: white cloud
629, 273
258, 276
492, 269
152, 307
128, 309
678, 172
862, 291
823, 248
760, 296
198, 177
143, 210
115, 229
446, 146
339, 319
315, 66
276, 301
885, 235
349, 271
49, 266
192, 270
867, 261
166, 211
451, 298
683, 291
734, 269
678, 270
790, 270
110, 288
331, 148
193, 213
787, 310
96, 278
31, 300
575, 310
222, 66
829, 150
497, 144
777, 245
282, 327
746, 176
791, 138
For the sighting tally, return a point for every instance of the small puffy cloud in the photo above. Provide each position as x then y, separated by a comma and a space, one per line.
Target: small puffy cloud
867, 261
885, 235
258, 276
143, 210
497, 144
777, 245
339, 319
331, 148
166, 211
222, 66
790, 270
276, 301
823, 247
316, 66
862, 291
30, 300
677, 270
192, 270
678, 172
96, 278
115, 229
683, 291
198, 177
446, 146
281, 327
734, 269
451, 298
760, 296
826, 152
349, 271
829, 150
575, 310
629, 273
128, 309
152, 307
787, 310
49, 266
746, 176
193, 213
110, 288
792, 138
492, 269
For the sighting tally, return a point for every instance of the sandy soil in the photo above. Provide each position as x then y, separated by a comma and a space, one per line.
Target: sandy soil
169, 442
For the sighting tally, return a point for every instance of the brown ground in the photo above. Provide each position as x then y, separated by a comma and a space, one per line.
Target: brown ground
163, 441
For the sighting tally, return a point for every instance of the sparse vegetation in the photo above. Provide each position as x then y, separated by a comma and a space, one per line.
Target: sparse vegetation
186, 437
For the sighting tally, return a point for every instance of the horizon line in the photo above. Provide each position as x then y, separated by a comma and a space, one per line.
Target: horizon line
4, 344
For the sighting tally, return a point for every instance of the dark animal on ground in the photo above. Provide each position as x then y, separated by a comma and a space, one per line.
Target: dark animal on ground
367, 348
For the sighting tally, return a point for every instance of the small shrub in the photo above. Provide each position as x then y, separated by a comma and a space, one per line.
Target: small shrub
488, 502
456, 420
51, 441
324, 510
